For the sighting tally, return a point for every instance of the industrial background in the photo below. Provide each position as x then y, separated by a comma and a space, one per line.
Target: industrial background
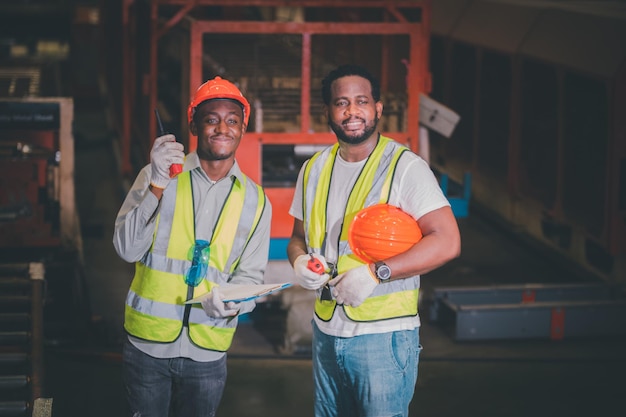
518, 105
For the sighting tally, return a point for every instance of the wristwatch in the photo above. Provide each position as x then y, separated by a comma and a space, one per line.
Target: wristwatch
383, 272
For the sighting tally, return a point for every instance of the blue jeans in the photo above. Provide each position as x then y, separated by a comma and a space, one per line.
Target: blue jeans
188, 388
372, 375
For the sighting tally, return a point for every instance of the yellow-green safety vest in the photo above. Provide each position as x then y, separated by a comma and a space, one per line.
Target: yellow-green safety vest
155, 308
393, 299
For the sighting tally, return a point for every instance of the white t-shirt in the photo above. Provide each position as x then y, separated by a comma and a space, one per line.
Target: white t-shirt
415, 190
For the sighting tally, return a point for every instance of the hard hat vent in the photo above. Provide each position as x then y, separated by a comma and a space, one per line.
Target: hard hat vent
381, 231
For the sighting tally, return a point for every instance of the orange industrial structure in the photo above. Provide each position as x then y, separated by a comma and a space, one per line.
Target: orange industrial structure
405, 25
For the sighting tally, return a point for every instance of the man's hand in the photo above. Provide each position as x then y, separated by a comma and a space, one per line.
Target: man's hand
165, 152
306, 278
214, 306
354, 286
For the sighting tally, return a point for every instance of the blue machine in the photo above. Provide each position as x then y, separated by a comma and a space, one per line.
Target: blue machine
457, 194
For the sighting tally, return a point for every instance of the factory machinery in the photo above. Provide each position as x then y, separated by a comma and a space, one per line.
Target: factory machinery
41, 293
43, 298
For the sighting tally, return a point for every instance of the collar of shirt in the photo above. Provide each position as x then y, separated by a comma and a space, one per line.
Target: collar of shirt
192, 162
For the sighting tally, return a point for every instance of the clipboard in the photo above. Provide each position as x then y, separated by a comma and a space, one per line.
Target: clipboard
238, 293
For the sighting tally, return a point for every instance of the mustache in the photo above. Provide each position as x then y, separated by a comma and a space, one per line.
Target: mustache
352, 118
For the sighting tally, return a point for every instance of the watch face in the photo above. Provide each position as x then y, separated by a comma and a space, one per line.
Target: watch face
383, 272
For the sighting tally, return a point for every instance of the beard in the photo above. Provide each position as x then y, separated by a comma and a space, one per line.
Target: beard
354, 139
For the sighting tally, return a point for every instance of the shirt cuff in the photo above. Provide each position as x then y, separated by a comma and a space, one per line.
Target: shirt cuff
149, 206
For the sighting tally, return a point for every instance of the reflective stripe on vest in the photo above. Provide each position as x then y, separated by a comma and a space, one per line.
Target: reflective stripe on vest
155, 302
397, 298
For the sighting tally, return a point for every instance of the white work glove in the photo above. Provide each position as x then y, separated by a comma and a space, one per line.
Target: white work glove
354, 286
165, 152
214, 306
307, 278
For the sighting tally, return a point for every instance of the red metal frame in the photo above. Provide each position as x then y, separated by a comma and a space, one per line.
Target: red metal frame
417, 73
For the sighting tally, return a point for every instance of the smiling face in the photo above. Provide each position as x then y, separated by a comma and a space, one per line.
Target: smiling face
219, 126
352, 112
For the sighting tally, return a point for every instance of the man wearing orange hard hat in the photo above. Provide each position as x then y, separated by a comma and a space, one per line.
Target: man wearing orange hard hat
369, 219
189, 231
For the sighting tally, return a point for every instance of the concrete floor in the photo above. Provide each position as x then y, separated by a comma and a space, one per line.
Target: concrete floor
512, 385
572, 377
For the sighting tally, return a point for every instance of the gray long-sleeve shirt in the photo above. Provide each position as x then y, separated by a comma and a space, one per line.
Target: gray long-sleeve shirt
134, 228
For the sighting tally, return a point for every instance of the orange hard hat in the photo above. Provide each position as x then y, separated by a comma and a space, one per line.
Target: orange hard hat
381, 231
218, 88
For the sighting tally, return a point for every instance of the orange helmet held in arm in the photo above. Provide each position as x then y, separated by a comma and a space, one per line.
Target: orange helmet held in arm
218, 88
381, 231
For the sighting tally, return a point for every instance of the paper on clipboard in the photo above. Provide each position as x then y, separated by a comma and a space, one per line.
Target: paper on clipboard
238, 293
